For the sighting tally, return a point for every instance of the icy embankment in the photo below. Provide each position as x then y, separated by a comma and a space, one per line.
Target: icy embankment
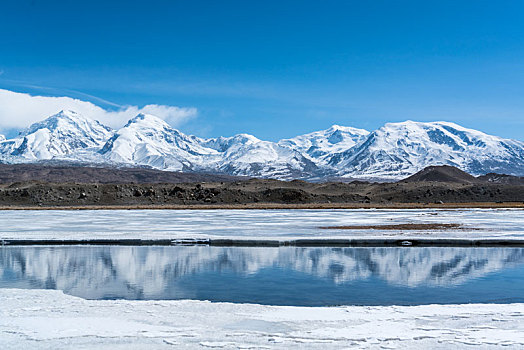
50, 319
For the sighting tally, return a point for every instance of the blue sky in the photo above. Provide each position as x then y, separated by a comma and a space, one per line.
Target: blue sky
276, 69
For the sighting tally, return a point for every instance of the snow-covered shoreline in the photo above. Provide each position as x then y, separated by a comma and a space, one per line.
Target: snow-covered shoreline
49, 319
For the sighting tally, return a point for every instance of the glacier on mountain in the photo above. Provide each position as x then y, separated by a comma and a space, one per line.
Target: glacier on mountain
246, 155
398, 150
391, 152
148, 140
58, 136
319, 145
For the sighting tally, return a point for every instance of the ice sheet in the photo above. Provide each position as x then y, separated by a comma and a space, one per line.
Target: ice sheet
260, 224
45, 319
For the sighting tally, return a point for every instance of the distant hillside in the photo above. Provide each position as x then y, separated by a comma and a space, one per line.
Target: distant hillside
442, 173
502, 179
33, 185
60, 172
446, 173
10, 173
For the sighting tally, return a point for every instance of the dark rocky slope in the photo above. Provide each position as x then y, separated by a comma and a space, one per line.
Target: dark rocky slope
10, 173
433, 185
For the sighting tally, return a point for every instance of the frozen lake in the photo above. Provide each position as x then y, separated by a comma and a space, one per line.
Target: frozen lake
274, 276
35, 314
259, 224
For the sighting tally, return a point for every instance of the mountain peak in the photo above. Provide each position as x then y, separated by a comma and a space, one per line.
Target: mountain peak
150, 121
424, 125
335, 127
68, 113
246, 138
347, 129
317, 146
58, 135
63, 121
149, 140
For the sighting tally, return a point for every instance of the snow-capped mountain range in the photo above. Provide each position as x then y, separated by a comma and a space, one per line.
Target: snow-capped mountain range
394, 151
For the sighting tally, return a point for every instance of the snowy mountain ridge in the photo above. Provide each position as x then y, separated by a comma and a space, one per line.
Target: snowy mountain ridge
58, 136
401, 149
319, 145
391, 152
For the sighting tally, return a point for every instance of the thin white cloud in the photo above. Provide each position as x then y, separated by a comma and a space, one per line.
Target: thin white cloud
19, 110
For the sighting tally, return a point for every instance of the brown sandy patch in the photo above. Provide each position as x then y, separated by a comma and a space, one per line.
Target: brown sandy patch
415, 227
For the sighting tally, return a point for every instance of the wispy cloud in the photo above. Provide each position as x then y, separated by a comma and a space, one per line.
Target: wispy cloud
19, 110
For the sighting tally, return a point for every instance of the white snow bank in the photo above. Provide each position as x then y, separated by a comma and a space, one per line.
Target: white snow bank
50, 319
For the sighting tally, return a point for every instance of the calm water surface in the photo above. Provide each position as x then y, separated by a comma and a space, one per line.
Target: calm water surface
278, 276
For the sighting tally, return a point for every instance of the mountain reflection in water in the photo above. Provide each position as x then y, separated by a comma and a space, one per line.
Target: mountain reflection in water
286, 275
